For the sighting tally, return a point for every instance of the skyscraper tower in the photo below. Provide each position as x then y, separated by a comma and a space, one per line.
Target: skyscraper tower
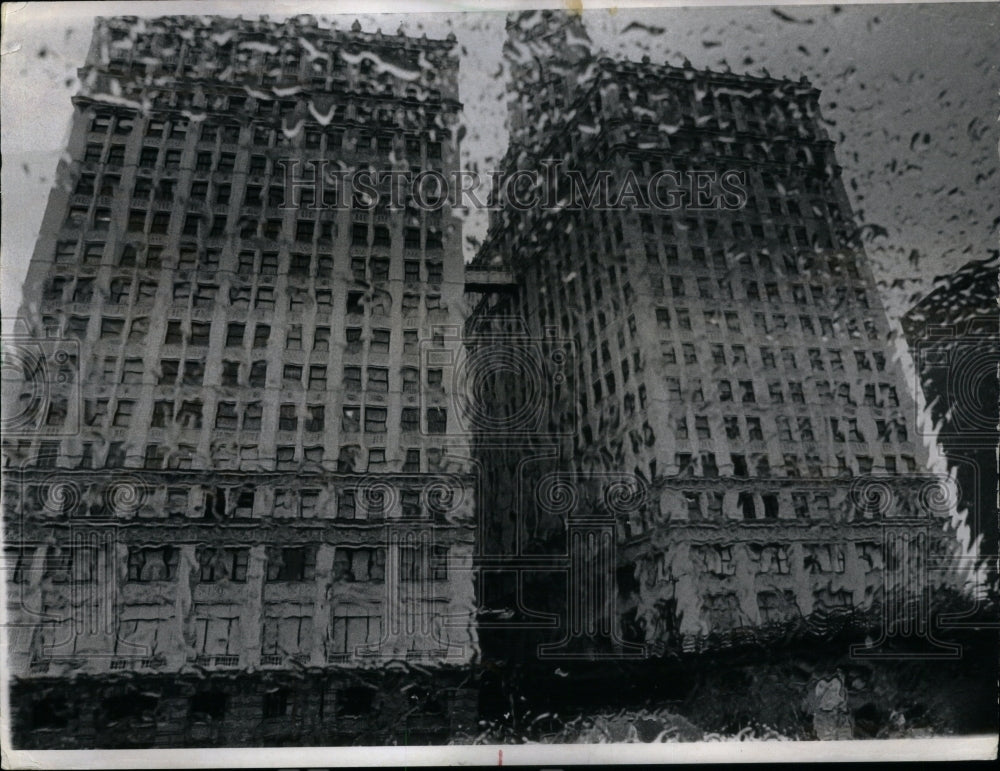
545, 54
227, 470
733, 376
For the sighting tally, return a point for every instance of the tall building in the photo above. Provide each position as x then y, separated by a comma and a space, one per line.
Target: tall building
730, 448
230, 512
952, 333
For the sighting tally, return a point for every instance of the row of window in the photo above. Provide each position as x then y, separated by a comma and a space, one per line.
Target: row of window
758, 112
801, 294
188, 413
561, 273
146, 564
248, 264
259, 134
229, 418
875, 394
770, 323
774, 558
759, 465
313, 377
412, 109
246, 502
196, 332
110, 328
153, 155
681, 319
142, 710
798, 152
202, 296
795, 238
788, 429
304, 197
768, 358
273, 45
241, 65
350, 563
247, 456
726, 242
204, 226
192, 371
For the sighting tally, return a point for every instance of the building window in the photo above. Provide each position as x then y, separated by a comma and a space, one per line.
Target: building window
291, 564
265, 298
673, 386
771, 511
355, 303
316, 417
352, 336
132, 371
116, 155
362, 564
287, 418
380, 341
261, 335
317, 377
352, 378
410, 380
437, 420
378, 379
155, 456
152, 564
375, 418
303, 233
308, 503
204, 296
411, 464
123, 413
346, 505
351, 419
276, 704
252, 415
348, 635
225, 416
410, 419
258, 374
230, 373
285, 458
412, 564
321, 339
189, 414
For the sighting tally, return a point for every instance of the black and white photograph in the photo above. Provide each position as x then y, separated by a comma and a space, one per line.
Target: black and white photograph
499, 383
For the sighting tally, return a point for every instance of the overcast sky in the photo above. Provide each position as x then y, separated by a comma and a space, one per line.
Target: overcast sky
910, 91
